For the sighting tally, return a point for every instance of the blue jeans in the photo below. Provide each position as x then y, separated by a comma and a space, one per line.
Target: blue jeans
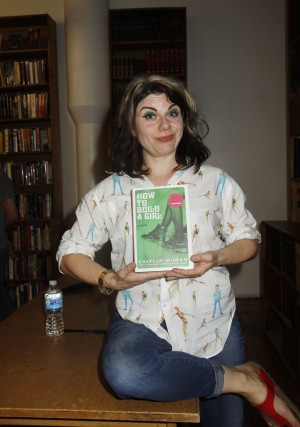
138, 364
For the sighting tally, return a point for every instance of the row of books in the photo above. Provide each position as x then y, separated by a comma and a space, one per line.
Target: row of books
27, 105
156, 61
29, 173
33, 265
145, 29
36, 205
22, 140
21, 293
127, 66
26, 72
30, 237
166, 61
28, 39
134, 29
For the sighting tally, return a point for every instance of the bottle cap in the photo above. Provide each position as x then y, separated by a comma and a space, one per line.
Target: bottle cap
53, 282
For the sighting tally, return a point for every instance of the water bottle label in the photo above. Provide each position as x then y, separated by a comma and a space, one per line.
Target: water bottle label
53, 302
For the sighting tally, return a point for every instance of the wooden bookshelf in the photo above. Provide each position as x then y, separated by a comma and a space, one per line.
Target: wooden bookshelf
150, 40
30, 149
293, 108
280, 278
280, 252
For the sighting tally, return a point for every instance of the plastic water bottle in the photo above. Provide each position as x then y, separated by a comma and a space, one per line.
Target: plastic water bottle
54, 309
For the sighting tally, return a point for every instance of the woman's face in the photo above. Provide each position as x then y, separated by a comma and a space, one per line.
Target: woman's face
158, 126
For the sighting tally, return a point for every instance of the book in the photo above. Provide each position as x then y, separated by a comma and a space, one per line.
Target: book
15, 40
161, 225
33, 41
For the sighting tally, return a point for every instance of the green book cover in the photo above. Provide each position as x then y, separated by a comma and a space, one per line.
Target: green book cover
161, 225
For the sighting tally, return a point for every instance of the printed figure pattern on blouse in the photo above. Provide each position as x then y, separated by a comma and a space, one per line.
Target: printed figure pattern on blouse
218, 218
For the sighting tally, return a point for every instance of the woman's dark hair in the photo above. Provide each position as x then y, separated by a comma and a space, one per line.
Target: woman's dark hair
126, 151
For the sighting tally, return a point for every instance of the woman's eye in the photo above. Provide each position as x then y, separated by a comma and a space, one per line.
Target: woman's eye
149, 116
173, 113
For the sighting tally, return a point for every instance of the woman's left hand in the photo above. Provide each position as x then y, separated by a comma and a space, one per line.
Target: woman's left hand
202, 263
237, 252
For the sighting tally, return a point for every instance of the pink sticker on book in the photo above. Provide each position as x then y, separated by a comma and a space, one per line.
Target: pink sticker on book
175, 200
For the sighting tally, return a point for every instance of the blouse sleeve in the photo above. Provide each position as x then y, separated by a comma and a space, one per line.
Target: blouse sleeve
89, 232
237, 222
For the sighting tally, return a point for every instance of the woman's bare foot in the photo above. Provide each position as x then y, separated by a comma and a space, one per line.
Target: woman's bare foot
253, 383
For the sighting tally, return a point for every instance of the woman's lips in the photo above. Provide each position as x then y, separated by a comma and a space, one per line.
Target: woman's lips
166, 138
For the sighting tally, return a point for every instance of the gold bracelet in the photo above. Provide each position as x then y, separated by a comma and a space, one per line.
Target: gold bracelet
102, 288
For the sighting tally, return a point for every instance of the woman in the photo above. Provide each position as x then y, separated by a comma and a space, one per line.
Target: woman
167, 341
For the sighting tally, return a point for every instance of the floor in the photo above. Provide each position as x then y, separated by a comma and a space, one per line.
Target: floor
258, 349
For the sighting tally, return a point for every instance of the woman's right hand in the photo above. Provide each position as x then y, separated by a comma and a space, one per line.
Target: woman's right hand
84, 268
127, 278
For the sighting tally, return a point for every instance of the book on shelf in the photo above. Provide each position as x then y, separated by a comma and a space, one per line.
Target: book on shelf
14, 40
161, 225
33, 40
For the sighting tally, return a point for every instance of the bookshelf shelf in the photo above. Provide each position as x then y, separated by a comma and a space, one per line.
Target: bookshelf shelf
30, 149
150, 40
149, 43
18, 87
280, 278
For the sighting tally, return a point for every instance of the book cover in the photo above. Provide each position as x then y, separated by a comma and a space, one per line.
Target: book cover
33, 41
160, 228
15, 40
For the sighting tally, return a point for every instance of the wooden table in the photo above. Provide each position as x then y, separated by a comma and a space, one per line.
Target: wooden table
57, 381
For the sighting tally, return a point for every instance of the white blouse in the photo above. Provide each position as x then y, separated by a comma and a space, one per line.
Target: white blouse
198, 312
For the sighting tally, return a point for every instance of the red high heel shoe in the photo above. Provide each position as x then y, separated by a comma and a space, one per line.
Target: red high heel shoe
267, 409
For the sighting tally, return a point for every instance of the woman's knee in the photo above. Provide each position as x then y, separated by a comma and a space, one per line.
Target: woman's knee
130, 356
121, 371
